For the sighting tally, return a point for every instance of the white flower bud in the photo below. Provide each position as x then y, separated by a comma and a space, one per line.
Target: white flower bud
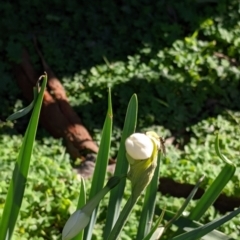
139, 146
76, 222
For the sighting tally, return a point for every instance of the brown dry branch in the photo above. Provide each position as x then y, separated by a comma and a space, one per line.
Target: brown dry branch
232, 61
57, 116
173, 188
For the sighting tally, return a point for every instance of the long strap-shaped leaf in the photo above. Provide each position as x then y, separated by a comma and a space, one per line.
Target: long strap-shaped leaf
147, 213
157, 230
101, 165
185, 204
81, 203
19, 177
216, 187
27, 109
203, 230
116, 194
187, 224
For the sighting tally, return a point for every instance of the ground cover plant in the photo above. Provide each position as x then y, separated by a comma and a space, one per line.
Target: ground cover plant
143, 153
182, 64
138, 160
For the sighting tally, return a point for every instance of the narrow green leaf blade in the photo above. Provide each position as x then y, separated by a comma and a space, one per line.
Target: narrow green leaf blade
19, 177
116, 194
101, 165
26, 110
219, 153
155, 228
147, 213
185, 223
81, 203
216, 187
207, 228
185, 204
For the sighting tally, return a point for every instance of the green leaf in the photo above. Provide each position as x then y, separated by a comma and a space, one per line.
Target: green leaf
203, 230
219, 153
186, 224
81, 203
216, 187
25, 110
156, 230
19, 177
147, 213
101, 165
185, 204
116, 194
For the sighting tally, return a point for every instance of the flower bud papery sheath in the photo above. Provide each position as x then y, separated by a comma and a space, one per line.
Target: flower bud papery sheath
145, 147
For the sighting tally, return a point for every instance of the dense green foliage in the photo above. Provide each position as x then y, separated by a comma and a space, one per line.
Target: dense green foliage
182, 60
50, 190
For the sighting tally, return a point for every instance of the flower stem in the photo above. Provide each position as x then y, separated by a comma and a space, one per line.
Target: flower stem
114, 234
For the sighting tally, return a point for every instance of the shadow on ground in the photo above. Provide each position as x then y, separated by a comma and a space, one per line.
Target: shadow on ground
75, 36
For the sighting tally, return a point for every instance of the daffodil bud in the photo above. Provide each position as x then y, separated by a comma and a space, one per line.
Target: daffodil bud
77, 221
141, 152
139, 146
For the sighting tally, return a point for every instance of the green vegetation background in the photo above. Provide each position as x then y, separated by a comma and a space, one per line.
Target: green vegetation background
180, 57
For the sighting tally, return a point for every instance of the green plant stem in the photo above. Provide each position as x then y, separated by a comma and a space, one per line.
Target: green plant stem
114, 234
146, 218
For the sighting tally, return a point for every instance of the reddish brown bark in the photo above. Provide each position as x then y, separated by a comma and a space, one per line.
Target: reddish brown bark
57, 116
223, 203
